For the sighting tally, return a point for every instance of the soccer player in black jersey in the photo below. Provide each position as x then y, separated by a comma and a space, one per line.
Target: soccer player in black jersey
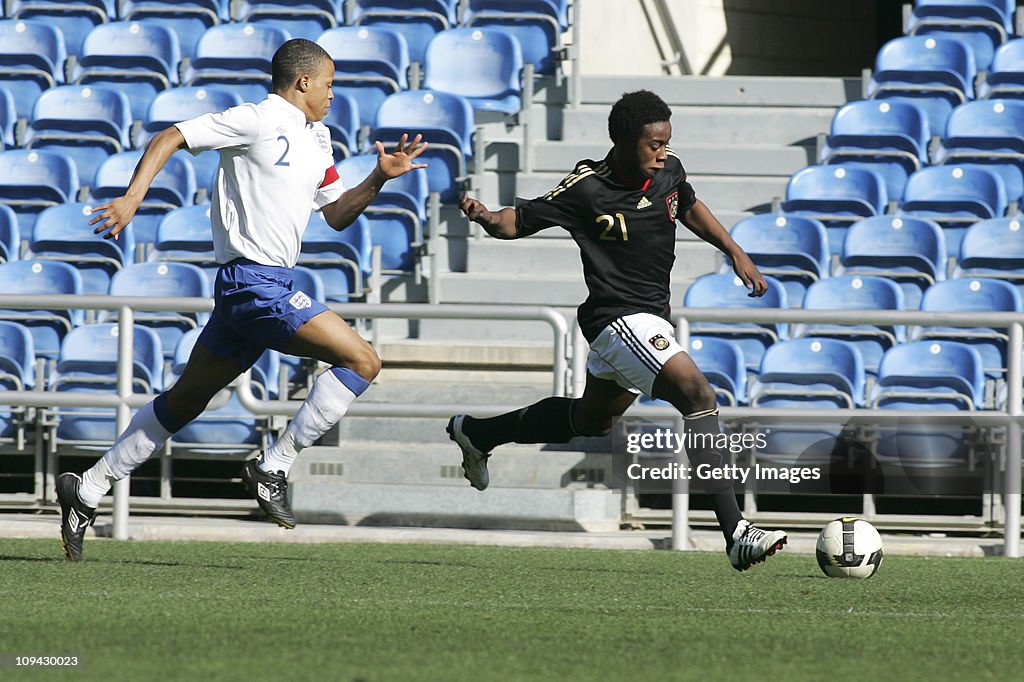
622, 213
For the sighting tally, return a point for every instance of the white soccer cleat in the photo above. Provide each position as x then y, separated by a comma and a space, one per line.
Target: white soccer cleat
751, 545
474, 462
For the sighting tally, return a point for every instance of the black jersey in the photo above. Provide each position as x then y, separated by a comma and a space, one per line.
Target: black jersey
626, 236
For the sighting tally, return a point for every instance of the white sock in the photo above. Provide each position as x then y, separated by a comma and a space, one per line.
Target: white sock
326, 404
144, 436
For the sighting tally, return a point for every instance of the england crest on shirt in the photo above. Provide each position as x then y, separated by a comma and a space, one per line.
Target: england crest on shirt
323, 141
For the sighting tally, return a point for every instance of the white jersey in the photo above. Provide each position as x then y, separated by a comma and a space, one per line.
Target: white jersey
274, 170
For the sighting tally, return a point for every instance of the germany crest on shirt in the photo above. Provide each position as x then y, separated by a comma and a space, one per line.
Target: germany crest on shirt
626, 234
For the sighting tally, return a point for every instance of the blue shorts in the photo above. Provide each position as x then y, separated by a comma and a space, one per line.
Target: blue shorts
256, 307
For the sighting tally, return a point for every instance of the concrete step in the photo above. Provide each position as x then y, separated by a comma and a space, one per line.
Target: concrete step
713, 125
553, 290
738, 193
726, 90
466, 346
703, 158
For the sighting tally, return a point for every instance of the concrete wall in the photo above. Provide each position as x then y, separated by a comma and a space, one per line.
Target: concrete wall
737, 37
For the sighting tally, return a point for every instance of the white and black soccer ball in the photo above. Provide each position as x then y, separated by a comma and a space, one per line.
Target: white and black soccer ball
849, 548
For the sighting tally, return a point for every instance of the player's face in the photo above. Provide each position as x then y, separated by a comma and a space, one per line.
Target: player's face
320, 94
652, 147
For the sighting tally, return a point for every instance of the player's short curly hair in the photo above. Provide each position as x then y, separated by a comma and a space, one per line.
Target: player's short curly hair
632, 112
294, 59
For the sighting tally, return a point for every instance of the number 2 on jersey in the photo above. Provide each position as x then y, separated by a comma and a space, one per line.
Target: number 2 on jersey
281, 161
609, 225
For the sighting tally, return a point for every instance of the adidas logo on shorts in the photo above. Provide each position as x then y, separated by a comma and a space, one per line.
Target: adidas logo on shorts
643, 203
299, 301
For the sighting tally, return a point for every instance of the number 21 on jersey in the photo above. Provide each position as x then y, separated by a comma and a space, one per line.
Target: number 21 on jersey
613, 232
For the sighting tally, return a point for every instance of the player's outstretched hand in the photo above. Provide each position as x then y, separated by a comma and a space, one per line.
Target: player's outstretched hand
400, 161
750, 276
114, 216
474, 210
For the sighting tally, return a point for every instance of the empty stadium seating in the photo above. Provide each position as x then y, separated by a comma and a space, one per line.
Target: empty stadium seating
1006, 77
417, 20
48, 327
910, 251
32, 56
341, 259
17, 373
890, 138
83, 122
993, 248
445, 120
792, 249
237, 55
837, 196
300, 18
10, 236
342, 120
728, 291
982, 25
63, 233
536, 24
851, 292
721, 362
138, 58
8, 117
370, 63
189, 19
483, 65
31, 180
992, 133
73, 19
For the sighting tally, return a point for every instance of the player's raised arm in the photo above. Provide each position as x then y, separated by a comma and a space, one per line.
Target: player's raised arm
702, 222
343, 211
115, 215
499, 224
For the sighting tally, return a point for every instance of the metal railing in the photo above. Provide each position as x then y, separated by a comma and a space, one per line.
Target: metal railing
1011, 417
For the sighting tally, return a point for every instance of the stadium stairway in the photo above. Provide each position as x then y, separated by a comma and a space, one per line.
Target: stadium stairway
740, 138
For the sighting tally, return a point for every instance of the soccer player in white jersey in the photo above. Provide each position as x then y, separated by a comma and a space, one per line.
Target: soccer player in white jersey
276, 166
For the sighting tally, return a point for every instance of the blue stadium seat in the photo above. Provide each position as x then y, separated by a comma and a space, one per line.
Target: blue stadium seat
301, 18
837, 196
534, 23
73, 19
342, 120
721, 363
807, 374
17, 373
173, 187
954, 196
138, 58
982, 25
445, 120
1006, 77
63, 233
48, 327
994, 249
32, 180
189, 19
792, 249
185, 235
86, 123
728, 291
484, 65
417, 20
397, 213
88, 363
309, 282
231, 428
930, 375
852, 292
973, 295
341, 259
163, 279
989, 132
10, 236
888, 137
8, 116
370, 63
237, 55
180, 104
32, 57
935, 73
909, 251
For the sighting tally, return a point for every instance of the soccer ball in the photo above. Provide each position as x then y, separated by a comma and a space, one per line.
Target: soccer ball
849, 548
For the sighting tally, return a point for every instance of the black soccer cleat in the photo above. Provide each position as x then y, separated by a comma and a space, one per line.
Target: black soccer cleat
75, 517
271, 493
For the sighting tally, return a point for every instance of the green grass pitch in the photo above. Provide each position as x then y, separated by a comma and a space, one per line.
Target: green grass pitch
226, 611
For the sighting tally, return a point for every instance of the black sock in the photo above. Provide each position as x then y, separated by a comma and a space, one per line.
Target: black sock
547, 421
723, 497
